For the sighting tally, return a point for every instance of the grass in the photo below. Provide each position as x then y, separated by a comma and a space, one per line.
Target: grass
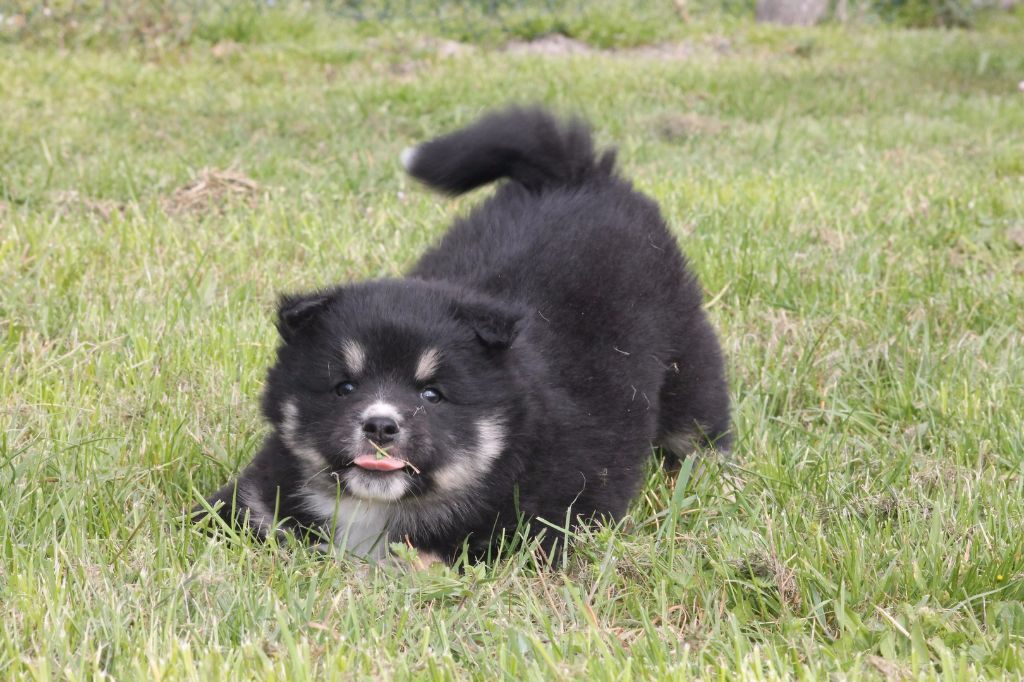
852, 199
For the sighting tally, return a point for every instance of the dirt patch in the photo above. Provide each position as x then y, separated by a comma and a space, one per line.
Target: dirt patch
211, 189
883, 507
677, 127
957, 257
446, 49
891, 670
69, 201
767, 568
554, 44
660, 52
224, 49
406, 61
937, 474
1016, 236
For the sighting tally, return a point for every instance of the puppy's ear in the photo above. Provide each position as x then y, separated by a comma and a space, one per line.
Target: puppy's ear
495, 324
297, 311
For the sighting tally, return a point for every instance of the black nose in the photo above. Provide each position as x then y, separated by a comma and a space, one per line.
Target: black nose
380, 429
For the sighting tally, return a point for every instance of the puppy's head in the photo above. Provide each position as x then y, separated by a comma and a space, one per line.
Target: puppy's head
401, 389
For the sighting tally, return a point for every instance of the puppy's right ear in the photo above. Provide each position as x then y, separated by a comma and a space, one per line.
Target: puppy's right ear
495, 325
297, 311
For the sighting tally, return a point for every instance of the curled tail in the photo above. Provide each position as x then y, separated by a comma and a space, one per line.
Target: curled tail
527, 145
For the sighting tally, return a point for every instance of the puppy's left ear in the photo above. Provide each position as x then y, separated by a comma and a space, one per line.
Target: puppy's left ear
495, 324
297, 311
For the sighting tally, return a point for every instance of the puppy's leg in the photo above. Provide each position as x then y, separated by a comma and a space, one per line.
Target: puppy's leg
240, 505
252, 501
694, 399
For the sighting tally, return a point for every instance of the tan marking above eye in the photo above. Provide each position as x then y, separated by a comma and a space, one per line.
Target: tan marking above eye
354, 355
427, 364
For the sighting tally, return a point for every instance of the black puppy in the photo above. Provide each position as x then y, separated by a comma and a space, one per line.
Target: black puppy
522, 370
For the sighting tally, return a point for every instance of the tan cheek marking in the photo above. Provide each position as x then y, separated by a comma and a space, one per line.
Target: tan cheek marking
290, 436
469, 466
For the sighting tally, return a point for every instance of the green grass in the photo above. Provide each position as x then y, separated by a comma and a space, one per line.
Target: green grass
852, 200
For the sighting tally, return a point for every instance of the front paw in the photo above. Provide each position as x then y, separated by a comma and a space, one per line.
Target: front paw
407, 558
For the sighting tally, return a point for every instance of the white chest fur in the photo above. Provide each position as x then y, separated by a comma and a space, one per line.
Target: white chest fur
360, 527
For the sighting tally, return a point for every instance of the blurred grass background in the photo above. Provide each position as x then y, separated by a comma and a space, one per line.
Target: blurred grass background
602, 23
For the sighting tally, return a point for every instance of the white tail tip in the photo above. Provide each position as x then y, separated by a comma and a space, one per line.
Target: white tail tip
407, 157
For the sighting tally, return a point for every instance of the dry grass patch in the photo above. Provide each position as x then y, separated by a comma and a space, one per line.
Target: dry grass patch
69, 201
212, 190
681, 126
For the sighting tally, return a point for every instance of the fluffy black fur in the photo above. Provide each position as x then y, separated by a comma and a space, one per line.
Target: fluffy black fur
557, 324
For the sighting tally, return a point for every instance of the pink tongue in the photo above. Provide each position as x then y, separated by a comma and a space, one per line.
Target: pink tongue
372, 463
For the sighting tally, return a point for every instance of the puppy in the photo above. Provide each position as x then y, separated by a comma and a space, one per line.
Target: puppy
519, 374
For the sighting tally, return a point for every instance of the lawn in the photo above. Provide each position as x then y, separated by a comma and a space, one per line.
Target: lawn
851, 198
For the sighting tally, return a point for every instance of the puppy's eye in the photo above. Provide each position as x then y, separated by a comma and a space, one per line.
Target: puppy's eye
431, 395
344, 388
